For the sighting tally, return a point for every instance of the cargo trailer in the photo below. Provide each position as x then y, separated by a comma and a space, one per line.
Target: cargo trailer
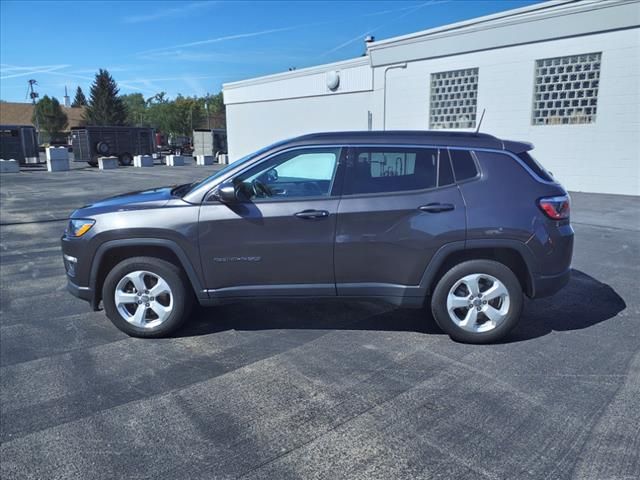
92, 142
19, 142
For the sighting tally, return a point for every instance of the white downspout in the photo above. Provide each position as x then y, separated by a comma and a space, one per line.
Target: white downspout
384, 100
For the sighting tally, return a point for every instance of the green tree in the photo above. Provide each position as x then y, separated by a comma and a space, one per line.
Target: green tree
214, 104
49, 116
159, 113
79, 100
175, 117
186, 114
105, 107
213, 110
136, 107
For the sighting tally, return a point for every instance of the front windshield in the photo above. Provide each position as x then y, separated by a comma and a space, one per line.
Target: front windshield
231, 166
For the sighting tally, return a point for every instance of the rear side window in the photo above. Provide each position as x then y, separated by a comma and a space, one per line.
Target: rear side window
445, 173
383, 170
463, 165
538, 169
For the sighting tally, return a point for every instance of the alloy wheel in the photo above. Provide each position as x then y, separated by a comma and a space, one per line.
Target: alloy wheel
478, 303
144, 299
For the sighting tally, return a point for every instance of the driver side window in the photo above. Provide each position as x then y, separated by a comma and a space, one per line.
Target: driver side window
294, 174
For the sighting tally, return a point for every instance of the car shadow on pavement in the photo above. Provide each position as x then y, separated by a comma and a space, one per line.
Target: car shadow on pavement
573, 308
584, 302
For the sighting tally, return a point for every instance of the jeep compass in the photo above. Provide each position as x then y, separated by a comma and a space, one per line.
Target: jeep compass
465, 224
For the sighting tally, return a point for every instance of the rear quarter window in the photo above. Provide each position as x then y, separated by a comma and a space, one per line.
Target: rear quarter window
464, 167
538, 169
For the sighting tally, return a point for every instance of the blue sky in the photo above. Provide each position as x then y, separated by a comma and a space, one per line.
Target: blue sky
192, 47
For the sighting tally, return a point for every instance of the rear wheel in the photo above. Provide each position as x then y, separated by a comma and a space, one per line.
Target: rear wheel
147, 297
478, 301
126, 159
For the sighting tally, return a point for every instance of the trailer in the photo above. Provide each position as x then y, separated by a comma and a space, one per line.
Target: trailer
92, 142
210, 142
19, 142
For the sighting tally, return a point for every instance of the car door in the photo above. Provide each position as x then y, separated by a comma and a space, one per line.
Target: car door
399, 206
278, 238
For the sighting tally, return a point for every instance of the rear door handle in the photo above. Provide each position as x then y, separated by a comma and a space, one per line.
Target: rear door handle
436, 207
312, 214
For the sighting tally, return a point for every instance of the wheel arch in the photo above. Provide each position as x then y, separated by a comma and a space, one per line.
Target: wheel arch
513, 254
110, 253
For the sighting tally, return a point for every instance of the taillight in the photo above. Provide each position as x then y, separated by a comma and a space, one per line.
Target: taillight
556, 208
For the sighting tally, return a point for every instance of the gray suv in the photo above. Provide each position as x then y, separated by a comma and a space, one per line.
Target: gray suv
465, 223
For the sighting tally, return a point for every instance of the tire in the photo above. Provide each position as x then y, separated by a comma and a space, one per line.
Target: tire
173, 307
102, 148
126, 159
93, 164
496, 310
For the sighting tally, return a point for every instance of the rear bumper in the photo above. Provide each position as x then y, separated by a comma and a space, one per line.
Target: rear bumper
547, 285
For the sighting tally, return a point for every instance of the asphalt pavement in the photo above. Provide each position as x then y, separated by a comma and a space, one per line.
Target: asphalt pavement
333, 389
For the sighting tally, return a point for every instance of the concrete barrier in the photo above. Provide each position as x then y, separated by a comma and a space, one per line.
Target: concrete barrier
143, 161
223, 158
175, 161
57, 159
107, 163
204, 160
9, 166
57, 153
188, 159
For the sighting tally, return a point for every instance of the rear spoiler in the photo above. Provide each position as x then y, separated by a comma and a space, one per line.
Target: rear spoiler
516, 147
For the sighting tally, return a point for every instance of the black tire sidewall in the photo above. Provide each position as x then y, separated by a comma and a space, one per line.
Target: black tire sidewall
182, 300
490, 267
102, 151
126, 160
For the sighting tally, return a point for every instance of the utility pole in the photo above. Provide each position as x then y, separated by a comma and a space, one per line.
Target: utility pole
33, 95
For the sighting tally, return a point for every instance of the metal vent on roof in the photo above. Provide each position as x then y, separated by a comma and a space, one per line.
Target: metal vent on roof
566, 89
454, 99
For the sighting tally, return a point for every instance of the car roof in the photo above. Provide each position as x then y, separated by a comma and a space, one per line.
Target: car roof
413, 137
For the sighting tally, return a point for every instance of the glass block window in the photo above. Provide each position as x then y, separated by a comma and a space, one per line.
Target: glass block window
454, 99
566, 89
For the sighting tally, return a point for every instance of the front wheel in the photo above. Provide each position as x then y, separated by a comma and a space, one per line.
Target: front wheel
147, 297
478, 301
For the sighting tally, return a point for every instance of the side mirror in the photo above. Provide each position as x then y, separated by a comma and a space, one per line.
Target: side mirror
226, 193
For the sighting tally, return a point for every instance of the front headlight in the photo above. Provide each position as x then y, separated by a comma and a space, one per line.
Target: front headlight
79, 226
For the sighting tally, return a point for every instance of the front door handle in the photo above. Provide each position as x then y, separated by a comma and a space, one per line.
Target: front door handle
436, 207
312, 214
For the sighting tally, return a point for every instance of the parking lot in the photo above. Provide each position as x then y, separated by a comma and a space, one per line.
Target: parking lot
332, 389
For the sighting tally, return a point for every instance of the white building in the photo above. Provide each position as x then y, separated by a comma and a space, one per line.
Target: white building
564, 75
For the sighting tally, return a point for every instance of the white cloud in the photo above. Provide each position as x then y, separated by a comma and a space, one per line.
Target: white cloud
25, 71
159, 14
221, 39
408, 11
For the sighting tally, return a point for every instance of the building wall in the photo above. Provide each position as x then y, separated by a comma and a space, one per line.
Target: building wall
603, 156
269, 109
598, 157
251, 126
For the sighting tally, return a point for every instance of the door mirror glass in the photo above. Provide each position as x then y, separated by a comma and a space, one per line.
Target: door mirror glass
226, 193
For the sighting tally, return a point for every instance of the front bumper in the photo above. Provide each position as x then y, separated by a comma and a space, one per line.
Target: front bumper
77, 270
85, 293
